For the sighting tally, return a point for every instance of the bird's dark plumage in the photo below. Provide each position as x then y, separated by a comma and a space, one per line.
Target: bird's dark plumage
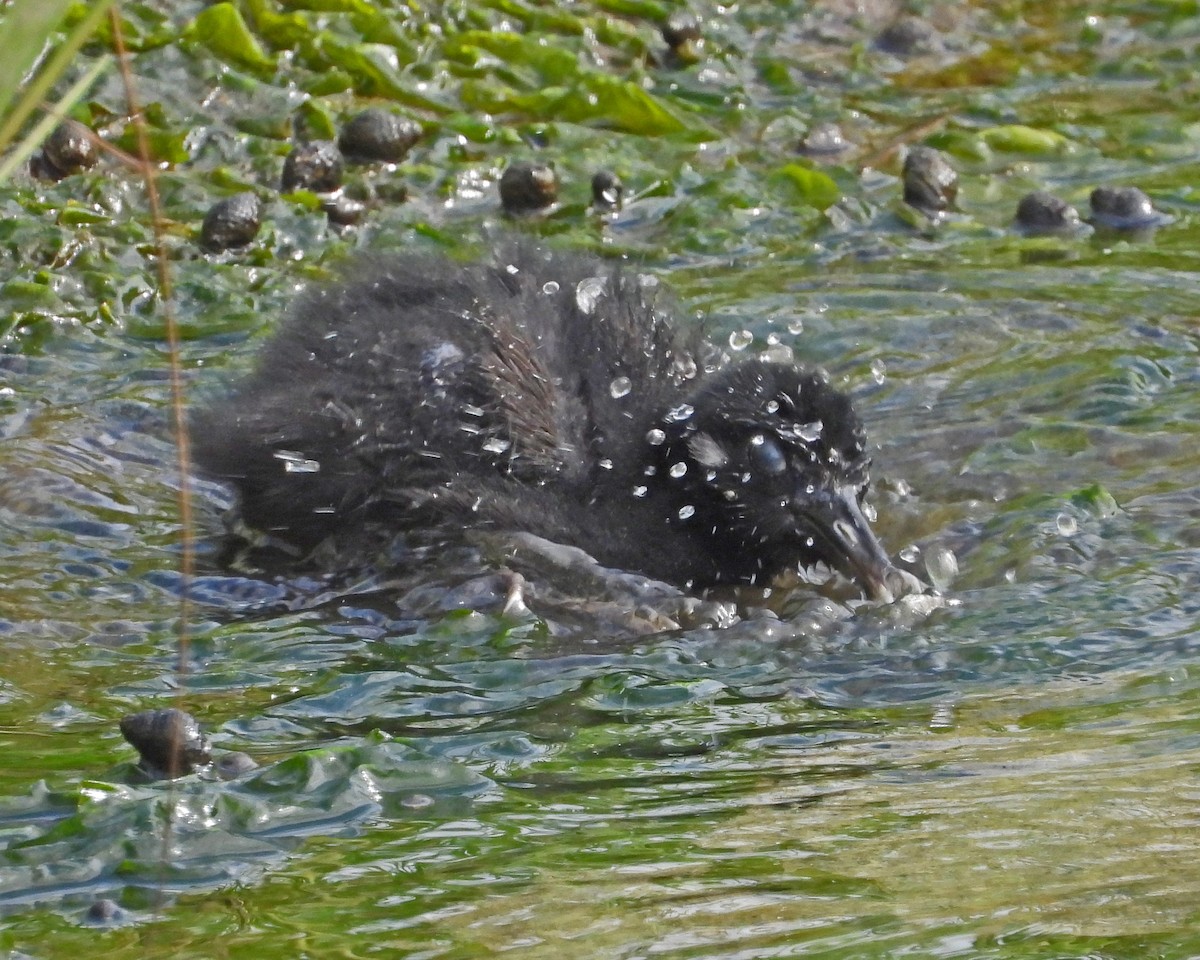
549, 394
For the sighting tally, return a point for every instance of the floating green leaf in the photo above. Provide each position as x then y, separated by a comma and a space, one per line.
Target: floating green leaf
618, 104
74, 215
1017, 138
328, 82
812, 187
331, 6
1096, 500
646, 9
374, 71
597, 100
223, 32
313, 121
553, 63
962, 144
166, 146
283, 30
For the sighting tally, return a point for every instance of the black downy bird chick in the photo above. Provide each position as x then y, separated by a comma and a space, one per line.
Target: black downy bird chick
547, 394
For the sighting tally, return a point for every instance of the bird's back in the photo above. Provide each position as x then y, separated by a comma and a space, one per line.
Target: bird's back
419, 383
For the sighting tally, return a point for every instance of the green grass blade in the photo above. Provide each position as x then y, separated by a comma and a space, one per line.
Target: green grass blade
25, 28
24, 149
38, 88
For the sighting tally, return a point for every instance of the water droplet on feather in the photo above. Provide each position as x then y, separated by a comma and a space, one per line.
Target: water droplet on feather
588, 293
810, 432
294, 462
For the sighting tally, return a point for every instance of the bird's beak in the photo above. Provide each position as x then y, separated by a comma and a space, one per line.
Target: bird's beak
836, 522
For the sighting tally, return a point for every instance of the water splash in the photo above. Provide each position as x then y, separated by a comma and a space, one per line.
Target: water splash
941, 565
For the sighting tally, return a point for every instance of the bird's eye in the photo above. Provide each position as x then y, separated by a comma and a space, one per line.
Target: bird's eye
766, 455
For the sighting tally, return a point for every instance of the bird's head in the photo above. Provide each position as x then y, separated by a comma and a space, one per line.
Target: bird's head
768, 464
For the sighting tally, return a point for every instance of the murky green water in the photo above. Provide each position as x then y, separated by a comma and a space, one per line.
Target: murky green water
1011, 775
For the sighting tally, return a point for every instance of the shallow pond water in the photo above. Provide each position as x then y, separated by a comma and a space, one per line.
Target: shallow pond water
1010, 774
